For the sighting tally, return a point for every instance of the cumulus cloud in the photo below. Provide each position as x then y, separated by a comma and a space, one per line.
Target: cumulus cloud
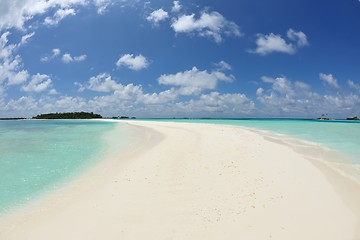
58, 16
11, 67
289, 98
103, 83
55, 53
25, 38
15, 13
135, 63
102, 5
157, 16
212, 25
270, 43
22, 105
39, 83
67, 58
176, 6
353, 85
223, 66
11, 70
131, 99
194, 81
267, 79
298, 37
7, 50
214, 103
163, 97
329, 80
106, 84
341, 104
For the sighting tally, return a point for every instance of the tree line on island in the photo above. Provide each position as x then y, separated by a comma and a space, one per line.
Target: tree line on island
68, 115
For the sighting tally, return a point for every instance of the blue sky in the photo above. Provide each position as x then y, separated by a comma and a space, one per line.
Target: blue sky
208, 58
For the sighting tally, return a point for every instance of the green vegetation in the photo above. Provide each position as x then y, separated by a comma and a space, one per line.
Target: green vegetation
12, 118
123, 117
69, 115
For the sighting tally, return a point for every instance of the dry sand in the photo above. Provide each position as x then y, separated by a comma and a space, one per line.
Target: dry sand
197, 181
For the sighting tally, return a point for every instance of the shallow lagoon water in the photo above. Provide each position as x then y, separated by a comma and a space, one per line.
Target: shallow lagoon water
38, 156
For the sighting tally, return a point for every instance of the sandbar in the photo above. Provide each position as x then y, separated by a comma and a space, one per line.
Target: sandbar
196, 181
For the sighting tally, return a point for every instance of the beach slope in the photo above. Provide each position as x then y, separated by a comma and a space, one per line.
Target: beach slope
194, 181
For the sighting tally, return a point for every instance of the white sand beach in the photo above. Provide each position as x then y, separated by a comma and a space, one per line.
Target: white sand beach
197, 181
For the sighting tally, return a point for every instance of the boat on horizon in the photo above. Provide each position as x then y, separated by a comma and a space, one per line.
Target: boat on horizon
352, 118
323, 117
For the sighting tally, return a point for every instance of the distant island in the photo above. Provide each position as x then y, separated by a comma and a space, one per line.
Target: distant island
68, 115
123, 117
16, 118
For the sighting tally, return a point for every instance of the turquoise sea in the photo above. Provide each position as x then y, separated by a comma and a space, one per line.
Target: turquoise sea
38, 156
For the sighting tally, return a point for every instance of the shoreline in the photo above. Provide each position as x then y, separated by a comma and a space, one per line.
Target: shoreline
196, 181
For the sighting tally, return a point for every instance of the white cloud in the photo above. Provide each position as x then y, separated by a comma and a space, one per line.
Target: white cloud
299, 37
128, 92
65, 104
18, 77
353, 85
223, 66
212, 25
266, 79
329, 80
102, 5
133, 62
81, 87
194, 81
157, 16
103, 83
215, 103
15, 13
6, 50
259, 92
159, 98
39, 83
80, 58
176, 7
58, 16
11, 69
25, 38
270, 43
342, 104
302, 86
296, 99
286, 97
67, 58
23, 105
55, 52
284, 85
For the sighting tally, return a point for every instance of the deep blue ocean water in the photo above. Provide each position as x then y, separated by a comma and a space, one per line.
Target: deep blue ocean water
38, 156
